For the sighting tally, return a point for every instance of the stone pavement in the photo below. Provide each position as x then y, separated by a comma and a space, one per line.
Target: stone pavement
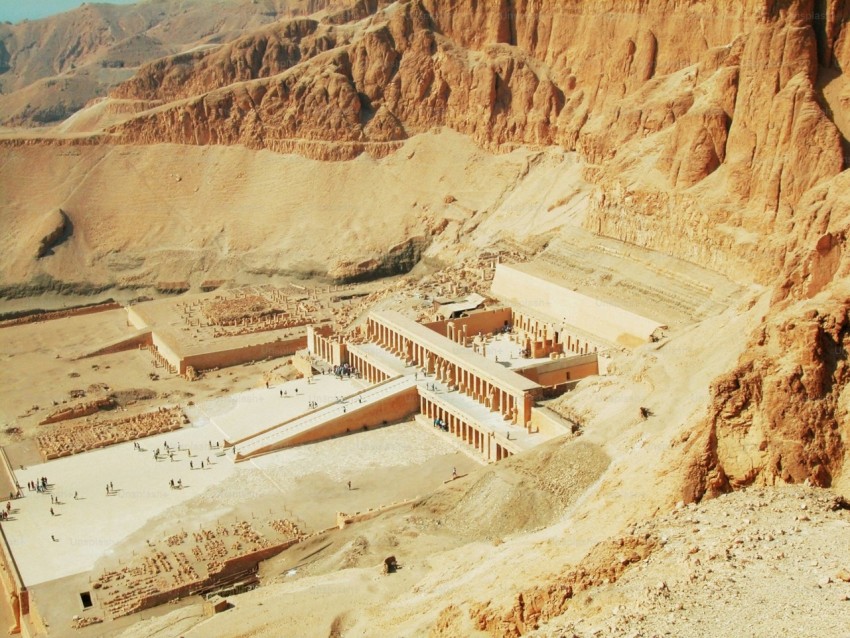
86, 527
244, 414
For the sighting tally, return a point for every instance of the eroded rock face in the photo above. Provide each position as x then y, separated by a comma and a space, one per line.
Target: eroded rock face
781, 414
534, 76
261, 54
398, 260
604, 564
740, 98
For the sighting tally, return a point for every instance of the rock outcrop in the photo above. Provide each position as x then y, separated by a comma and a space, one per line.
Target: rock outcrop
398, 260
55, 228
782, 413
71, 58
604, 564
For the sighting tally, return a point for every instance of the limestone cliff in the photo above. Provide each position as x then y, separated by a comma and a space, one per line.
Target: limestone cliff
742, 99
783, 413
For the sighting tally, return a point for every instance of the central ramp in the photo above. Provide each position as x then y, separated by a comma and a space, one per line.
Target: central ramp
389, 401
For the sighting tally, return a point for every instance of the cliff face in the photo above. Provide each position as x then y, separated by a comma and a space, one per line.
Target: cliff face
783, 413
741, 99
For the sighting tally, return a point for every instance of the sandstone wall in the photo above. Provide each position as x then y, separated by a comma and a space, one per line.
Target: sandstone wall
486, 322
561, 371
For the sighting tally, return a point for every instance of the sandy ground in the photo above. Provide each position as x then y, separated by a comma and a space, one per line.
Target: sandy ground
307, 485
756, 564
141, 484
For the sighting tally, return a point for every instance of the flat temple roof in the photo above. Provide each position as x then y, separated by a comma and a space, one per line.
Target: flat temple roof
454, 352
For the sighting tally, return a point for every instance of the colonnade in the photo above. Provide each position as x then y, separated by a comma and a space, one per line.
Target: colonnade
319, 342
483, 442
545, 331
512, 403
370, 372
322, 347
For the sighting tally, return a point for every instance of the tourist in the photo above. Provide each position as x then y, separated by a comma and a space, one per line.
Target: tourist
52, 513
191, 466
53, 538
349, 486
75, 496
454, 473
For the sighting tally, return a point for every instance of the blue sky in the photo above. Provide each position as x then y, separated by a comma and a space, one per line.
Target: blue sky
17, 10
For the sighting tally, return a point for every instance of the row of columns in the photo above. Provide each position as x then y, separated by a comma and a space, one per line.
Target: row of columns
466, 381
371, 373
482, 441
544, 331
322, 347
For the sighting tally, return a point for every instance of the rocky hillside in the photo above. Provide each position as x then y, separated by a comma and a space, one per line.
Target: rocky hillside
51, 68
736, 119
723, 149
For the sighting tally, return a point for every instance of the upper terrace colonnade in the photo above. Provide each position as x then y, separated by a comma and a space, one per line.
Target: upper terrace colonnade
484, 380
